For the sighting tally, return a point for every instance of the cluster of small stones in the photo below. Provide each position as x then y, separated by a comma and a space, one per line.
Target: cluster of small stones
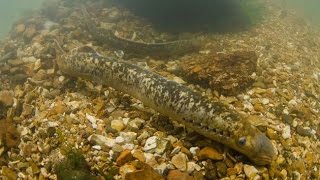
54, 113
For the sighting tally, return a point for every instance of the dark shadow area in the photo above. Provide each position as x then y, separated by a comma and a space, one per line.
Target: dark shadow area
192, 15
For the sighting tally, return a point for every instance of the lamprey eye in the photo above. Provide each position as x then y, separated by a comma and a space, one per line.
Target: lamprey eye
242, 141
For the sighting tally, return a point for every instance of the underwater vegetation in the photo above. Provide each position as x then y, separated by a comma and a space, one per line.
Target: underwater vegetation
74, 166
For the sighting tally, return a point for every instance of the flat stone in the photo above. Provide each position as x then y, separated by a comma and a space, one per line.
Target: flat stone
124, 157
180, 161
209, 153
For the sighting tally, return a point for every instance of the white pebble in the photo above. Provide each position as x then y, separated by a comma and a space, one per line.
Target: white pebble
194, 150
119, 140
151, 144
97, 147
286, 133
265, 101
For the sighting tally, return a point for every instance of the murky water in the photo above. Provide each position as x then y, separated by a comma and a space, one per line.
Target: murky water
11, 10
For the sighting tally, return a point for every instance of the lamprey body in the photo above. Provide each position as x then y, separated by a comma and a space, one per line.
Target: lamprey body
164, 49
209, 118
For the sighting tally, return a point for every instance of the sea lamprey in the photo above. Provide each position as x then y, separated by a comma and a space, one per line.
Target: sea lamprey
209, 118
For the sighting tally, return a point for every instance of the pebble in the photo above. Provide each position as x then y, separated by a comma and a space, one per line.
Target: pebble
119, 140
124, 157
101, 140
139, 155
127, 168
144, 172
129, 137
194, 150
250, 171
97, 147
151, 144
177, 175
265, 101
180, 161
117, 125
161, 169
286, 133
191, 166
92, 120
209, 153
135, 124
304, 131
8, 173
221, 168
128, 146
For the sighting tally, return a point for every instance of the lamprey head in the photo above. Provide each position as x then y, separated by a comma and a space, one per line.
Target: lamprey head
254, 144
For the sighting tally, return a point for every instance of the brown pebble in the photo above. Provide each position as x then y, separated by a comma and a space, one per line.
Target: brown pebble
124, 157
144, 172
178, 175
209, 153
139, 155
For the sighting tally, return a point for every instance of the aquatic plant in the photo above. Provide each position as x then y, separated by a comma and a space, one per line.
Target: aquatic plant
74, 166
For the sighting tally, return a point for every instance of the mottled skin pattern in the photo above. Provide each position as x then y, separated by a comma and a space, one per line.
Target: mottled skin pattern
165, 49
208, 118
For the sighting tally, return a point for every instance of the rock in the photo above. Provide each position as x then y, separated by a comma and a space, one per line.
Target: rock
151, 144
117, 125
135, 124
120, 140
250, 171
101, 140
157, 145
92, 119
286, 133
124, 157
272, 134
194, 150
6, 98
144, 172
191, 166
139, 155
128, 137
161, 169
304, 131
177, 175
209, 153
265, 101
180, 161
125, 169
221, 169
8, 173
